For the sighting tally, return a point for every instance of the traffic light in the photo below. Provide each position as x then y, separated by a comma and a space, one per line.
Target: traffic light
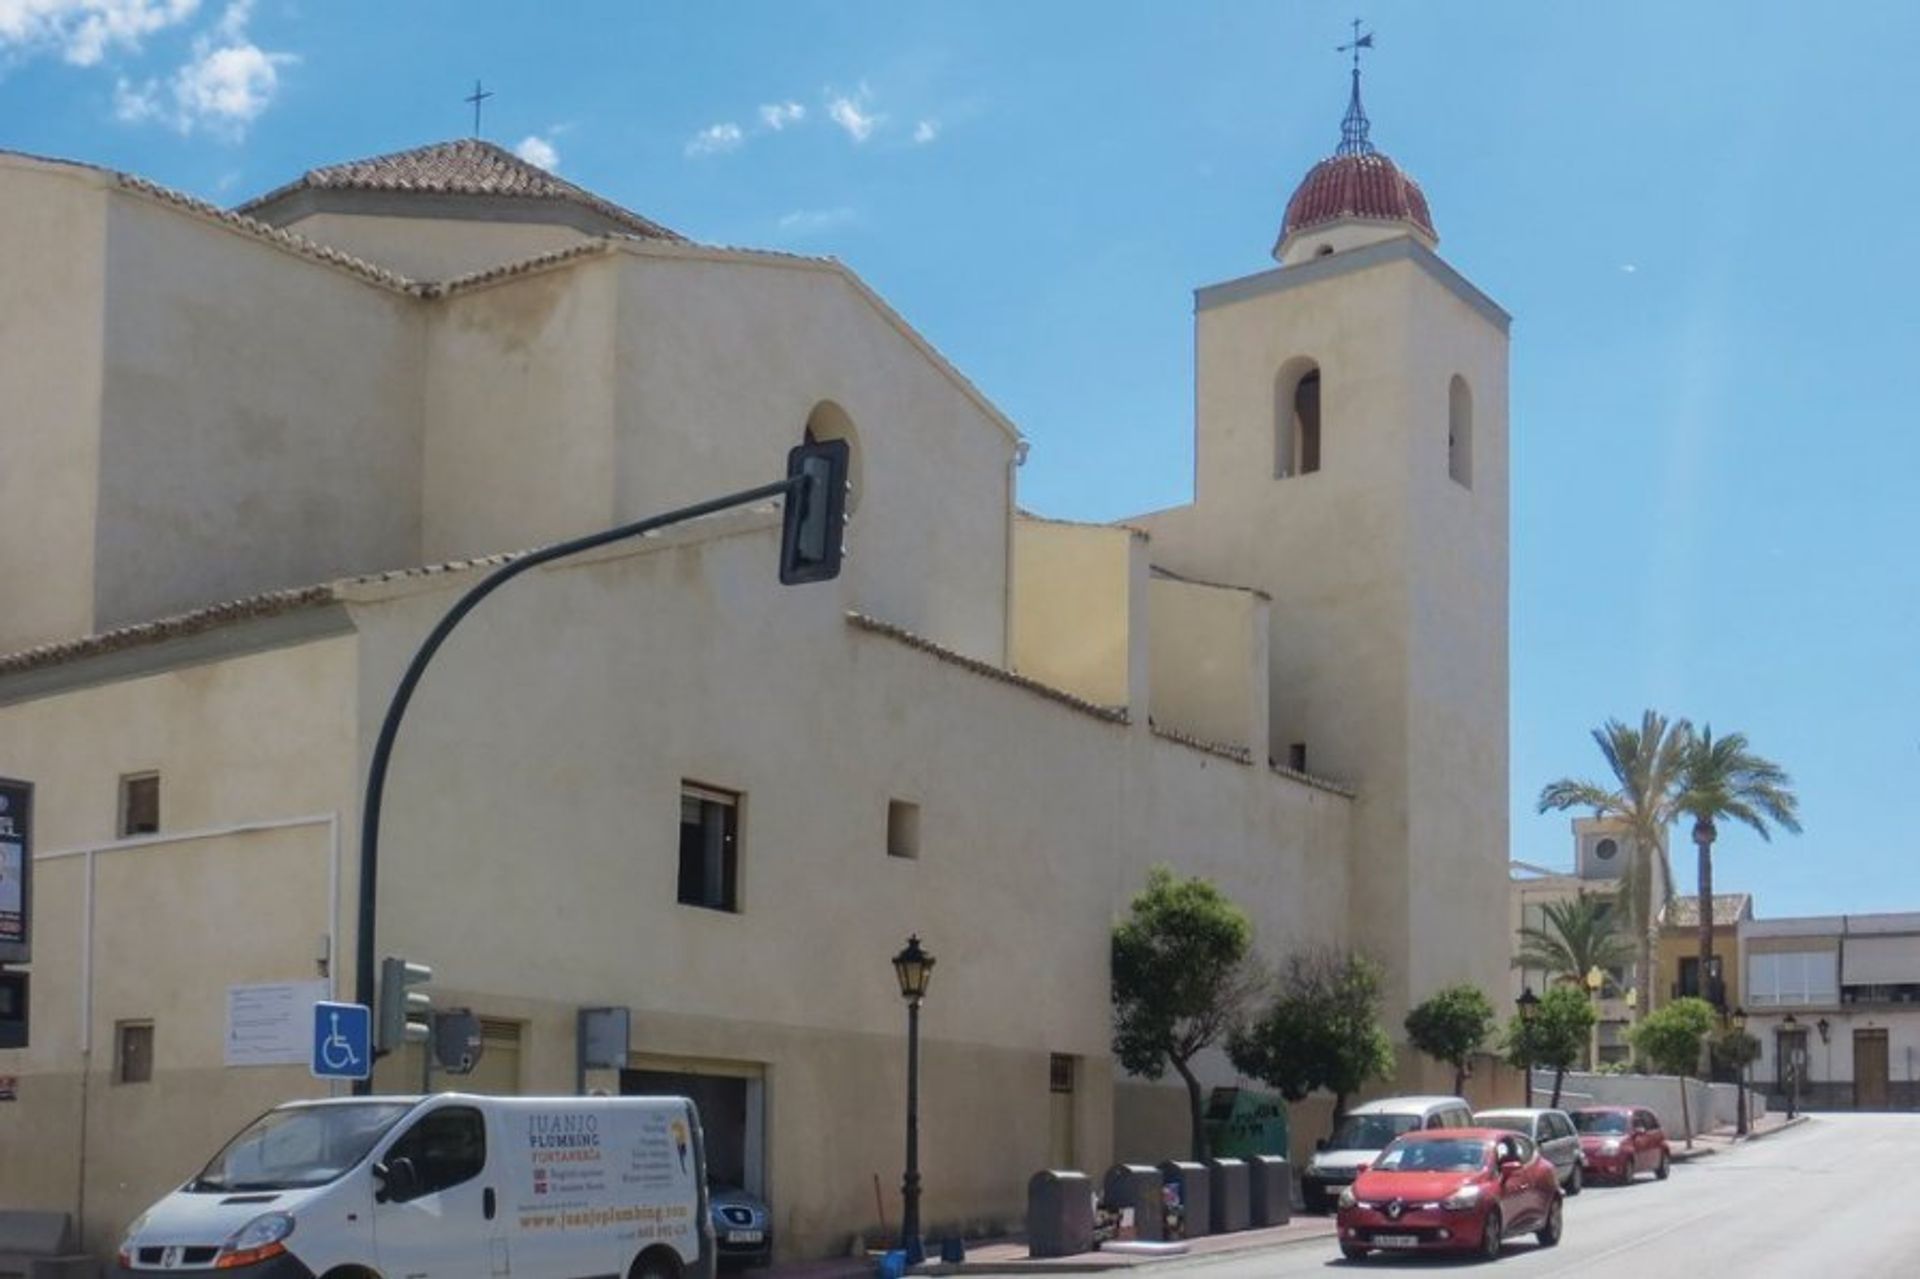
405, 1015
816, 512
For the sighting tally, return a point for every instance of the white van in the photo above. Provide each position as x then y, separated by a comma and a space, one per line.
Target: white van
444, 1187
1363, 1133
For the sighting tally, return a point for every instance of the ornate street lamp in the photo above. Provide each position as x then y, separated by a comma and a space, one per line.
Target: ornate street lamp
1783, 1039
1738, 1020
1528, 1003
914, 967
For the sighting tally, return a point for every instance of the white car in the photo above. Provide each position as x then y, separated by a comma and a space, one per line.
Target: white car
1553, 1132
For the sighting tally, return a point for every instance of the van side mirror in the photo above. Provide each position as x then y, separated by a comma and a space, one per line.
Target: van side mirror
399, 1181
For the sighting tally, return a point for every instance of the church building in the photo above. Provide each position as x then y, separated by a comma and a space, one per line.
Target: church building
252, 455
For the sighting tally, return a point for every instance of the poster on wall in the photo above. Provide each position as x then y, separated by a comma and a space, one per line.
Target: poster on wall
272, 1024
16, 871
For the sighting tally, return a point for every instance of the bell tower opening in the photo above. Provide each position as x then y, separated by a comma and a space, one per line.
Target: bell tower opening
1296, 412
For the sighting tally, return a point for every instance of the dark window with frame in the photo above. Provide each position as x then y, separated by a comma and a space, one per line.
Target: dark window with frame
139, 805
1306, 419
133, 1052
709, 848
1060, 1073
903, 828
447, 1147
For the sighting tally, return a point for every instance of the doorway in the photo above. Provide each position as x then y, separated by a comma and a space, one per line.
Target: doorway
1060, 1148
731, 1099
1870, 1070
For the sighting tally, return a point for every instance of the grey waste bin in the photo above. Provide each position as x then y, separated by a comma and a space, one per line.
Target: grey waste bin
1138, 1186
1227, 1183
1059, 1214
1269, 1191
1196, 1204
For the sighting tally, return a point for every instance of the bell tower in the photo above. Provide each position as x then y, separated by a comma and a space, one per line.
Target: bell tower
1351, 461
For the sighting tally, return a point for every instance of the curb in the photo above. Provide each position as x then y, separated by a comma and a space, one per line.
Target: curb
1069, 1266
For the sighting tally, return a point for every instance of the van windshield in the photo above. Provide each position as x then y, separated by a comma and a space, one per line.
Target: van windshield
299, 1146
1371, 1132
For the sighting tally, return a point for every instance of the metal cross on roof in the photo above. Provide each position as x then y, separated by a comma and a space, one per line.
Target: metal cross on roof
477, 97
1353, 128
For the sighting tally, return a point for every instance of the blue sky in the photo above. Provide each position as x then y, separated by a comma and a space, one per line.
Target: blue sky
1701, 217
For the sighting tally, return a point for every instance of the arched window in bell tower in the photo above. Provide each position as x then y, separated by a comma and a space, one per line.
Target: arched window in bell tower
1460, 432
1296, 412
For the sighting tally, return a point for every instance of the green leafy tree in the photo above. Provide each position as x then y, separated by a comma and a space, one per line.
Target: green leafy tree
1182, 975
1721, 780
1574, 937
1645, 761
1321, 1029
1671, 1038
1554, 1037
1735, 1050
1450, 1027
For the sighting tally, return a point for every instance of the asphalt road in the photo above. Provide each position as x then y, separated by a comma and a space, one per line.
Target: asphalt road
1832, 1198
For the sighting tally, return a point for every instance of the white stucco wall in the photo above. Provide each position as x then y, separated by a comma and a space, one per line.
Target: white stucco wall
255, 756
720, 363
434, 248
1387, 653
260, 420
540, 771
50, 340
1073, 607
1209, 663
520, 411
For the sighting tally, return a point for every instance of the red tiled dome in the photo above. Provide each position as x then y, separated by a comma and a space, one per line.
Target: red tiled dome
1365, 185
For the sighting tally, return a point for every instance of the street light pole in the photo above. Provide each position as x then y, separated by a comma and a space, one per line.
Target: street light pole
1739, 1019
914, 968
1596, 980
1527, 1003
814, 493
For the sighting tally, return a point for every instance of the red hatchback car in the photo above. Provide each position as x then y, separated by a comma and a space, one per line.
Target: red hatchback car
1620, 1142
1451, 1190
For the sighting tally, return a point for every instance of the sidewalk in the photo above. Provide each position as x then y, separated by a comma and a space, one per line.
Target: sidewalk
1712, 1143
1009, 1256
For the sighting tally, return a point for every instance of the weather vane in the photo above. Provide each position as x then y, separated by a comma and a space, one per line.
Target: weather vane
1353, 128
480, 95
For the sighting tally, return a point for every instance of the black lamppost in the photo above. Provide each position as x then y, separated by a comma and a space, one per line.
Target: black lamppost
1527, 1003
1738, 1019
914, 967
1784, 1045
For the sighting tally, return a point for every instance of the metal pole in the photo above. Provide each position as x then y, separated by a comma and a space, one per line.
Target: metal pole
1741, 1114
910, 1185
364, 950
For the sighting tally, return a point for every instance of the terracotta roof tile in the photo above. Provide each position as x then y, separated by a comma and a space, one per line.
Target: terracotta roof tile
1683, 911
468, 166
1368, 185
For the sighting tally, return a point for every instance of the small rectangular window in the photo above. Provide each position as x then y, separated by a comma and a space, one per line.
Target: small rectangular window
1060, 1073
1297, 757
139, 804
903, 828
132, 1052
709, 848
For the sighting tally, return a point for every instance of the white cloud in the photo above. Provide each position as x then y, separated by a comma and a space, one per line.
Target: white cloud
224, 87
850, 113
536, 150
926, 131
715, 139
778, 115
814, 221
85, 31
1629, 268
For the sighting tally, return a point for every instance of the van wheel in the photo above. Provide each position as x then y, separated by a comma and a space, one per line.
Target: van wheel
654, 1263
1577, 1182
350, 1272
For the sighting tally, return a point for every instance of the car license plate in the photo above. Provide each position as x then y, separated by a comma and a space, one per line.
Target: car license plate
743, 1236
1396, 1241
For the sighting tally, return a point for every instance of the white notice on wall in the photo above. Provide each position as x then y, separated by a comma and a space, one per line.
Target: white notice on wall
272, 1025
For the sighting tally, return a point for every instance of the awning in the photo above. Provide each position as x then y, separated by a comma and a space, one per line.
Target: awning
1881, 961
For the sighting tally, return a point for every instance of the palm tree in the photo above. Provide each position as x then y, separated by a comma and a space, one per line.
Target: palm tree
1721, 780
1645, 763
1574, 937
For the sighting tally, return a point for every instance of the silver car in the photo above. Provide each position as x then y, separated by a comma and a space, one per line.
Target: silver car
1553, 1132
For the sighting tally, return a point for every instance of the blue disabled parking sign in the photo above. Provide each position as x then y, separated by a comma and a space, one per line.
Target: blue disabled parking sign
342, 1041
